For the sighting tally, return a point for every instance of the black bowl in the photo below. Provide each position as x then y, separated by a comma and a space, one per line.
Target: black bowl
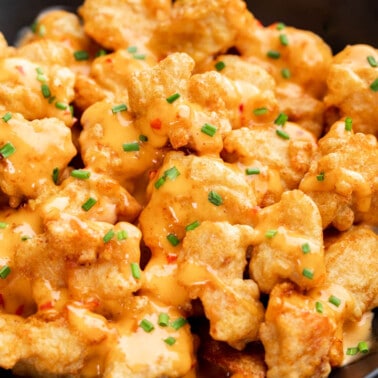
338, 22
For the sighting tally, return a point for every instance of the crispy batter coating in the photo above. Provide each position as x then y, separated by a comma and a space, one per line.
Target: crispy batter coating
285, 234
211, 266
108, 77
348, 87
342, 178
116, 24
38, 147
201, 29
187, 185
102, 142
34, 89
280, 162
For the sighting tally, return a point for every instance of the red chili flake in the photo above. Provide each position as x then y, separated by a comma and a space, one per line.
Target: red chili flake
241, 108
156, 124
152, 175
92, 303
20, 69
2, 303
109, 60
255, 210
171, 258
259, 23
19, 310
46, 306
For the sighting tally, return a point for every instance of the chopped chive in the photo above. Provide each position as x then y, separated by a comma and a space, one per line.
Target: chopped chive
252, 171
308, 273
284, 40
273, 54
348, 124
280, 26
6, 117
122, 235
108, 236
81, 55
55, 175
171, 173
351, 351
334, 300
271, 233
61, 105
363, 347
281, 119
282, 134
101, 52
39, 71
51, 99
286, 73
41, 30
143, 138
146, 325
219, 66
173, 239
163, 320
71, 110
88, 204
306, 248
80, 174
7, 150
173, 98
192, 226
208, 129
130, 147
372, 61
170, 340
215, 198
45, 91
25, 237
132, 49
34, 27
3, 225
260, 111
320, 176
119, 108
139, 56
135, 270
319, 307
4, 272
374, 85
159, 182
178, 323
41, 78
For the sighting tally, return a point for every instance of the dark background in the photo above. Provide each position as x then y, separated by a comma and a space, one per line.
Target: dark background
339, 22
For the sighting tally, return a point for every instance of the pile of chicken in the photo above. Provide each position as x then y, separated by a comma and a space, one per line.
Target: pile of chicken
162, 162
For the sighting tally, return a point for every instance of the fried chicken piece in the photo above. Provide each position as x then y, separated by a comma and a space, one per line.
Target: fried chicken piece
303, 333
36, 91
97, 198
342, 179
299, 61
350, 87
278, 161
192, 190
241, 89
201, 29
211, 265
108, 77
289, 245
30, 153
104, 141
165, 111
117, 24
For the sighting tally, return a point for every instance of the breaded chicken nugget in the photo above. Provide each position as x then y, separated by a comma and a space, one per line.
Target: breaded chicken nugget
289, 245
117, 24
201, 29
352, 85
35, 90
275, 157
342, 178
30, 151
211, 266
